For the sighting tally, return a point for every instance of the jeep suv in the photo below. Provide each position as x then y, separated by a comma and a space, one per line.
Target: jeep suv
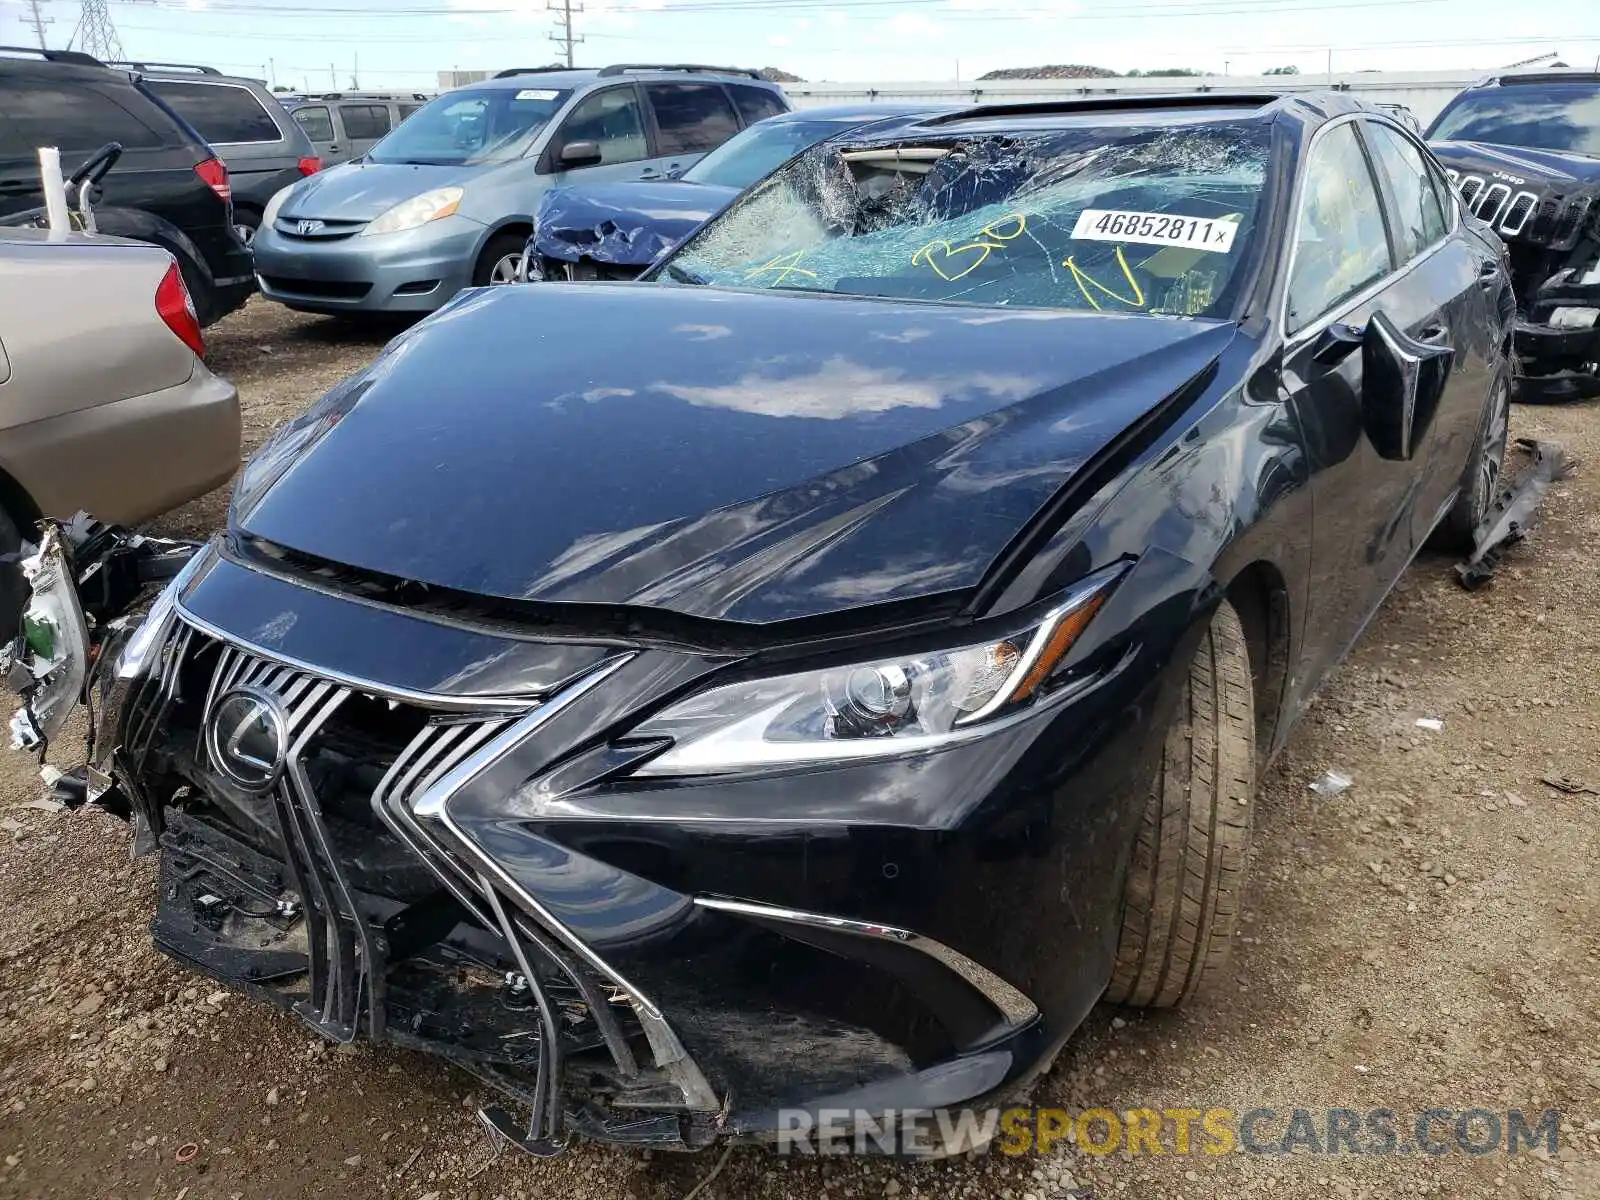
244, 123
447, 200
1524, 150
168, 186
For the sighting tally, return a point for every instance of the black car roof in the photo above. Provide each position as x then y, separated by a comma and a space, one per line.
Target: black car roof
1182, 108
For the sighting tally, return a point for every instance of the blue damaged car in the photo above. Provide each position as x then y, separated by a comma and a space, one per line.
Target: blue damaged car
614, 230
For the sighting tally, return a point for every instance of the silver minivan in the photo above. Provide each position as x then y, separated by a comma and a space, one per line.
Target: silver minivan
345, 125
447, 200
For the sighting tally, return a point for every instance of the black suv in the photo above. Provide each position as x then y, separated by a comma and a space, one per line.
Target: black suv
168, 187
1524, 150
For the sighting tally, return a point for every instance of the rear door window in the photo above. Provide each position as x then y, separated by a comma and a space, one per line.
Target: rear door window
1420, 219
756, 104
407, 109
225, 114
362, 121
612, 120
316, 122
691, 118
73, 118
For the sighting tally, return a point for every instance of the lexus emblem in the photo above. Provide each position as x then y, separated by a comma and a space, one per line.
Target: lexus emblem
248, 737
307, 228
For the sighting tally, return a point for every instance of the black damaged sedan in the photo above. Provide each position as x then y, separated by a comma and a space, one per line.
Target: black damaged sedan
812, 678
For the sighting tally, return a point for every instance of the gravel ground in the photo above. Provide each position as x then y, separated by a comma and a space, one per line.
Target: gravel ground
1427, 938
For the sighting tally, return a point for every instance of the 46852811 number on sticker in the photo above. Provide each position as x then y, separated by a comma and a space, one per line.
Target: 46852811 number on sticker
1156, 229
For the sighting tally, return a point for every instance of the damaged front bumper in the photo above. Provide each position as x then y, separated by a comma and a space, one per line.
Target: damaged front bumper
1557, 344
660, 980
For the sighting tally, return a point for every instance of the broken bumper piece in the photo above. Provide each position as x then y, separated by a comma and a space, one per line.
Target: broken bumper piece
1513, 513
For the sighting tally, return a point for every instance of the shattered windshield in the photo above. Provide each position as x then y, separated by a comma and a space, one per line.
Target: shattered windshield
1114, 219
1564, 117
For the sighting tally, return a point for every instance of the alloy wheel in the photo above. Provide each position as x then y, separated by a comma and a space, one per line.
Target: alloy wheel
1491, 456
505, 270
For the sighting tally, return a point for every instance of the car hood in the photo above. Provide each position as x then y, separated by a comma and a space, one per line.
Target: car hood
1518, 165
360, 191
627, 223
726, 454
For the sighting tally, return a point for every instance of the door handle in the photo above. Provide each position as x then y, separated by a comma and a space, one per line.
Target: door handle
649, 173
1489, 270
1434, 335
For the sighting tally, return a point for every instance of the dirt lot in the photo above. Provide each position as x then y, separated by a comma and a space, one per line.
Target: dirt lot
1429, 938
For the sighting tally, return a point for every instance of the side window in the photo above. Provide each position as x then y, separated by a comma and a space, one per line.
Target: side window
1340, 245
756, 104
223, 113
316, 122
407, 109
73, 118
1420, 218
691, 118
612, 120
364, 120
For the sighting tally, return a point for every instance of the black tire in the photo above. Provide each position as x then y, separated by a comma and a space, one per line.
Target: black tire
13, 587
1186, 880
1481, 479
501, 247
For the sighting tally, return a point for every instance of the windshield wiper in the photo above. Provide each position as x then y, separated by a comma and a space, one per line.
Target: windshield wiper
682, 275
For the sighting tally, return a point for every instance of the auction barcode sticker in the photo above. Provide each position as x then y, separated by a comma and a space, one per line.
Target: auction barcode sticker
1155, 229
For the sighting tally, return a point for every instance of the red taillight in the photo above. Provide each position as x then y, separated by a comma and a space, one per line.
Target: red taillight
310, 166
216, 177
176, 310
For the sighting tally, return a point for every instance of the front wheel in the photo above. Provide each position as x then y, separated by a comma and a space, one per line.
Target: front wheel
1186, 880
500, 261
1480, 480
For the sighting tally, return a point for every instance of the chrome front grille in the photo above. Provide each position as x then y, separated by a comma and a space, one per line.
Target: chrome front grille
345, 952
1520, 213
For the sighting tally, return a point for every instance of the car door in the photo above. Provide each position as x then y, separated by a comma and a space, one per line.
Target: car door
317, 122
612, 120
1353, 311
1452, 283
690, 119
363, 125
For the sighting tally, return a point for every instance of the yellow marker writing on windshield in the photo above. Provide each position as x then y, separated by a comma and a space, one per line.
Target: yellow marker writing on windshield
991, 237
1085, 281
784, 265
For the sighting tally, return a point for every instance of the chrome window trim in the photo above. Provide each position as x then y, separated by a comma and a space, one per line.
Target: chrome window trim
1011, 1002
1298, 337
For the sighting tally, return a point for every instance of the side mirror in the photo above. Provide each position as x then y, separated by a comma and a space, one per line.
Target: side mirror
1402, 380
580, 154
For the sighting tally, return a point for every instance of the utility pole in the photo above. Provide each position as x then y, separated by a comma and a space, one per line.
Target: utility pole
333, 78
39, 21
272, 74
355, 72
563, 34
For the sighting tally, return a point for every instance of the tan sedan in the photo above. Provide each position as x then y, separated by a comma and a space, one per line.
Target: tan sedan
105, 405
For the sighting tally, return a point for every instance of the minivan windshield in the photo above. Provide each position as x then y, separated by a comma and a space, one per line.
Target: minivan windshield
1558, 116
466, 127
1121, 219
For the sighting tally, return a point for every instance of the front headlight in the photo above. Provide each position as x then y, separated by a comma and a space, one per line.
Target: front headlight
891, 706
419, 210
269, 214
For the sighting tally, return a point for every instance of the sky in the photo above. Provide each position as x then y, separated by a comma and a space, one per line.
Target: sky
404, 43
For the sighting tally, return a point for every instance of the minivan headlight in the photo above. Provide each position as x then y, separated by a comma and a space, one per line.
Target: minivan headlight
417, 211
269, 214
